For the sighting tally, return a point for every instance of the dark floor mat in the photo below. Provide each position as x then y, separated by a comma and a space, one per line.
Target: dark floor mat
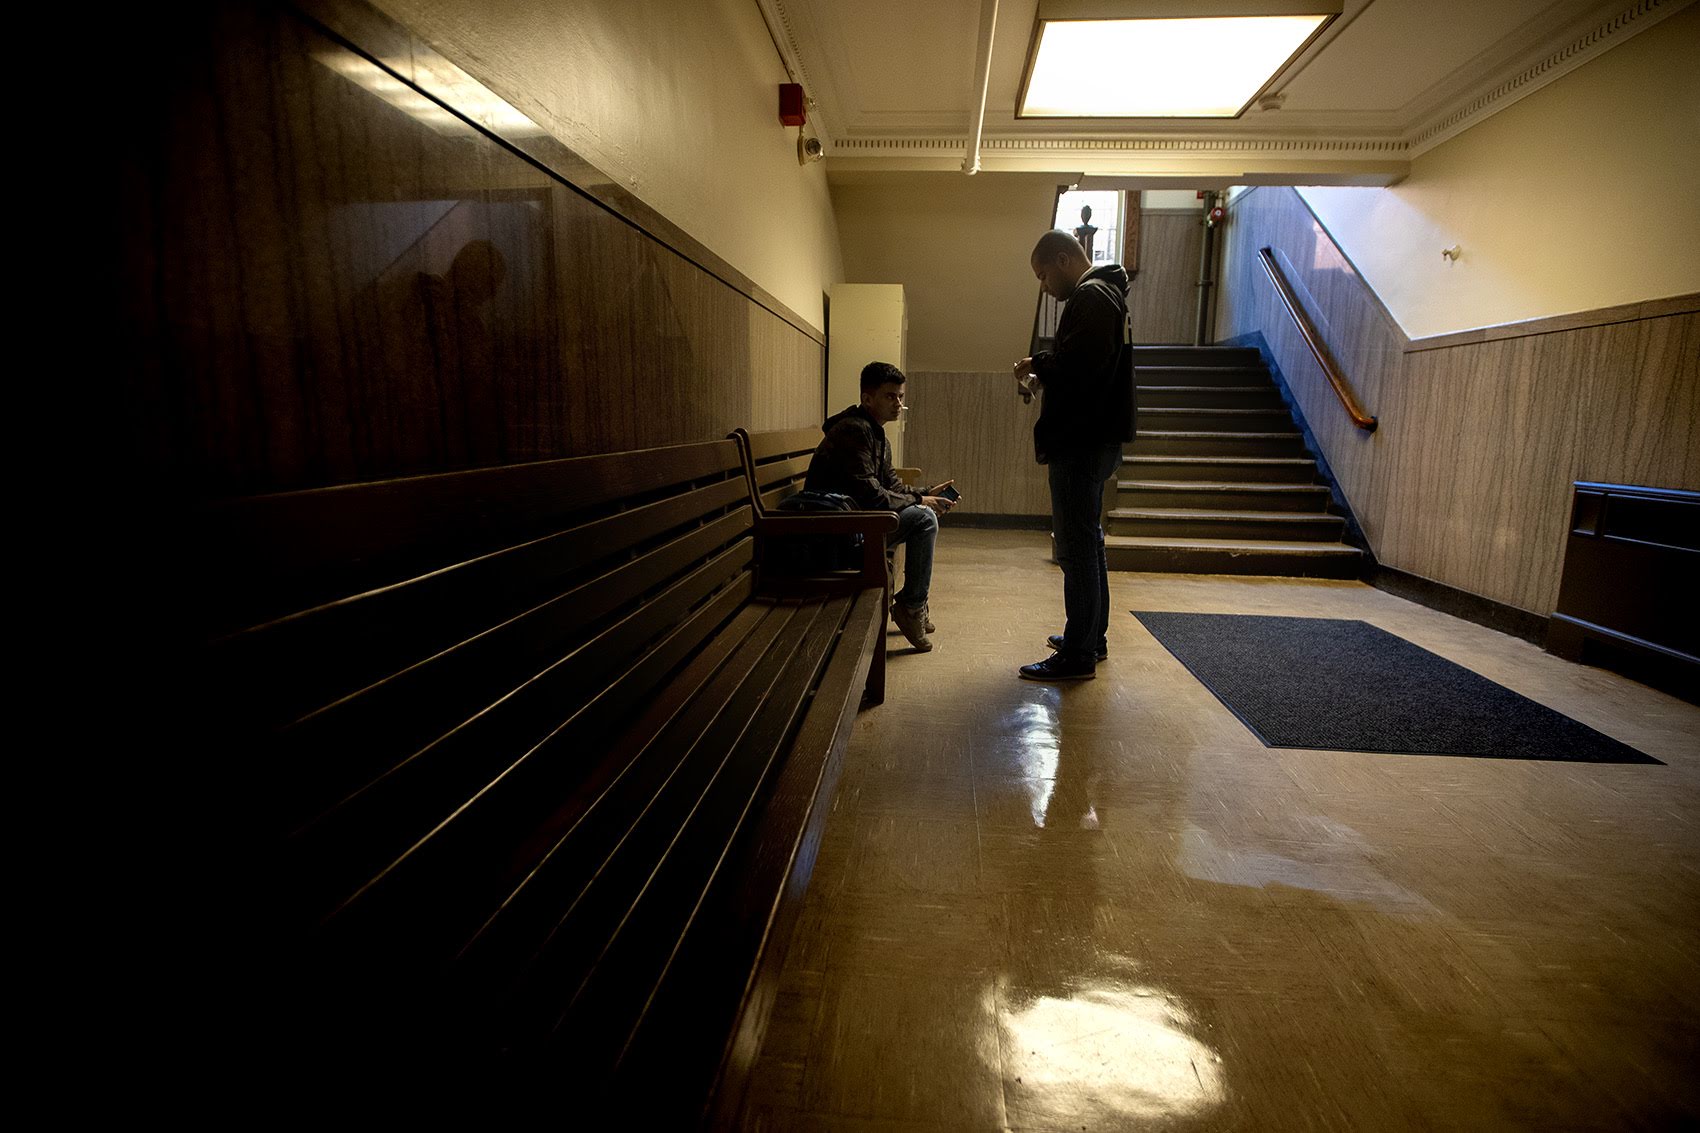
1347, 686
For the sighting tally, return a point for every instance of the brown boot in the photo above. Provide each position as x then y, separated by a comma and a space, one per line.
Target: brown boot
912, 624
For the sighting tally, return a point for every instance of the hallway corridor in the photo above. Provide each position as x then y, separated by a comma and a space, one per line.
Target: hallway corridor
1108, 906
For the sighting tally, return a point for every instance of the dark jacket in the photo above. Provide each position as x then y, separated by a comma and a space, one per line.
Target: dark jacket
1088, 377
854, 459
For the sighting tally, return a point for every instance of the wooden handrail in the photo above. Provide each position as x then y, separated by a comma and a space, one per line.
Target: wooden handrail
1318, 349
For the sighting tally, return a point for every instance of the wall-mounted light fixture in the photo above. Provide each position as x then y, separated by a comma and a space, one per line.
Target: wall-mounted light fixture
1162, 58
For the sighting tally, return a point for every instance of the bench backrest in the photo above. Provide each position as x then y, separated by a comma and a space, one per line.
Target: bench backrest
781, 458
414, 667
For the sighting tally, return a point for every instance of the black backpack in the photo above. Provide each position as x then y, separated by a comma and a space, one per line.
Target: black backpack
815, 554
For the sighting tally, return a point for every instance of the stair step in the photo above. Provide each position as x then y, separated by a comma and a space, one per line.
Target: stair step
1218, 419
1285, 469
1199, 442
1203, 523
1289, 558
1203, 376
1243, 495
1196, 355
1210, 397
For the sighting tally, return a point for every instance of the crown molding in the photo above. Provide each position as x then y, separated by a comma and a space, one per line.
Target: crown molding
1550, 64
1181, 160
889, 147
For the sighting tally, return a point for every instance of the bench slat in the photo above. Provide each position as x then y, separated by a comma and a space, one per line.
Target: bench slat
435, 898
271, 555
609, 1004
783, 442
791, 470
284, 668
613, 880
529, 910
335, 752
347, 846
525, 957
755, 898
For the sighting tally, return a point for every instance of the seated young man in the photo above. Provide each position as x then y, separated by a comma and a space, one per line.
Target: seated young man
854, 459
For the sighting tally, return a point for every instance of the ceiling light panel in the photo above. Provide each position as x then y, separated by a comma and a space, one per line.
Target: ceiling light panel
1209, 66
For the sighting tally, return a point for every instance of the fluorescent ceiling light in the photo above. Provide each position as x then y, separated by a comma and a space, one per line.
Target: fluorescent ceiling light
1210, 67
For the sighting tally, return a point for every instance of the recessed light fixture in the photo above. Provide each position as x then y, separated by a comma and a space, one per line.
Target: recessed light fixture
1162, 58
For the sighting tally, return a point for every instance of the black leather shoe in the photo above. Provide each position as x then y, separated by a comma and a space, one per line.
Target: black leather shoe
1060, 667
1055, 642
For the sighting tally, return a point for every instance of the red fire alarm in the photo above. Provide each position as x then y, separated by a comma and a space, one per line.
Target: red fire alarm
791, 112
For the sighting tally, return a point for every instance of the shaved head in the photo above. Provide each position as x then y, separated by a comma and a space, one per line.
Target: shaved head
1059, 262
1056, 243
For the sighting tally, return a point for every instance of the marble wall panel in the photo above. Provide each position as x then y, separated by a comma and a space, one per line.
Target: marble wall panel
1644, 411
973, 427
325, 279
1163, 294
780, 364
1467, 478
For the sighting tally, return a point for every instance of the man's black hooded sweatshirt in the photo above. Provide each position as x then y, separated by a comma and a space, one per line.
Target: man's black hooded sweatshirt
854, 459
1088, 376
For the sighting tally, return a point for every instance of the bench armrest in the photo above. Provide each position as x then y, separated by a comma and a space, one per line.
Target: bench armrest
827, 523
873, 526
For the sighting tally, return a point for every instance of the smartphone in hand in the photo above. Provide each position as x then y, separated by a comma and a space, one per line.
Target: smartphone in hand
948, 491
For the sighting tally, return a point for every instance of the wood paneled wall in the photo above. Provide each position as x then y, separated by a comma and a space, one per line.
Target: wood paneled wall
322, 284
1466, 480
973, 427
1163, 296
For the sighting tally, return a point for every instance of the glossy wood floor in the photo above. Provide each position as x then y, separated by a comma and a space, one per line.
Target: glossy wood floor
1108, 906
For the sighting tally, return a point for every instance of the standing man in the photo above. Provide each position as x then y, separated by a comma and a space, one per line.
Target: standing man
1086, 414
854, 459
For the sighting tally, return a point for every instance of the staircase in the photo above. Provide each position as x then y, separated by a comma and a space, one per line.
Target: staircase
1217, 480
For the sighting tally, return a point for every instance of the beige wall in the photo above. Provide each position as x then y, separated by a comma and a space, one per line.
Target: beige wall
1585, 194
1171, 199
959, 246
678, 100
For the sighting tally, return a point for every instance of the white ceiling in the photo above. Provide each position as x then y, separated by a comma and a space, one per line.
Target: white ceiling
893, 85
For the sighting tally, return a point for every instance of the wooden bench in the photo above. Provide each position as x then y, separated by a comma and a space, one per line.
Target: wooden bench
541, 762
780, 465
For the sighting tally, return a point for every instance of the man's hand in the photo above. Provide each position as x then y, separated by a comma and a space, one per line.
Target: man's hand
1025, 382
939, 504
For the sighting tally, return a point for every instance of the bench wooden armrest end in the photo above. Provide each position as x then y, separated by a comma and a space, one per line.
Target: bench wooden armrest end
827, 523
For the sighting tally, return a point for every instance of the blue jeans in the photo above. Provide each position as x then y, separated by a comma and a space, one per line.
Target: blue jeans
1077, 498
917, 528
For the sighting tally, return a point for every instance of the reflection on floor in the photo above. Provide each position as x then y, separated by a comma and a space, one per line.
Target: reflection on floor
1106, 905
